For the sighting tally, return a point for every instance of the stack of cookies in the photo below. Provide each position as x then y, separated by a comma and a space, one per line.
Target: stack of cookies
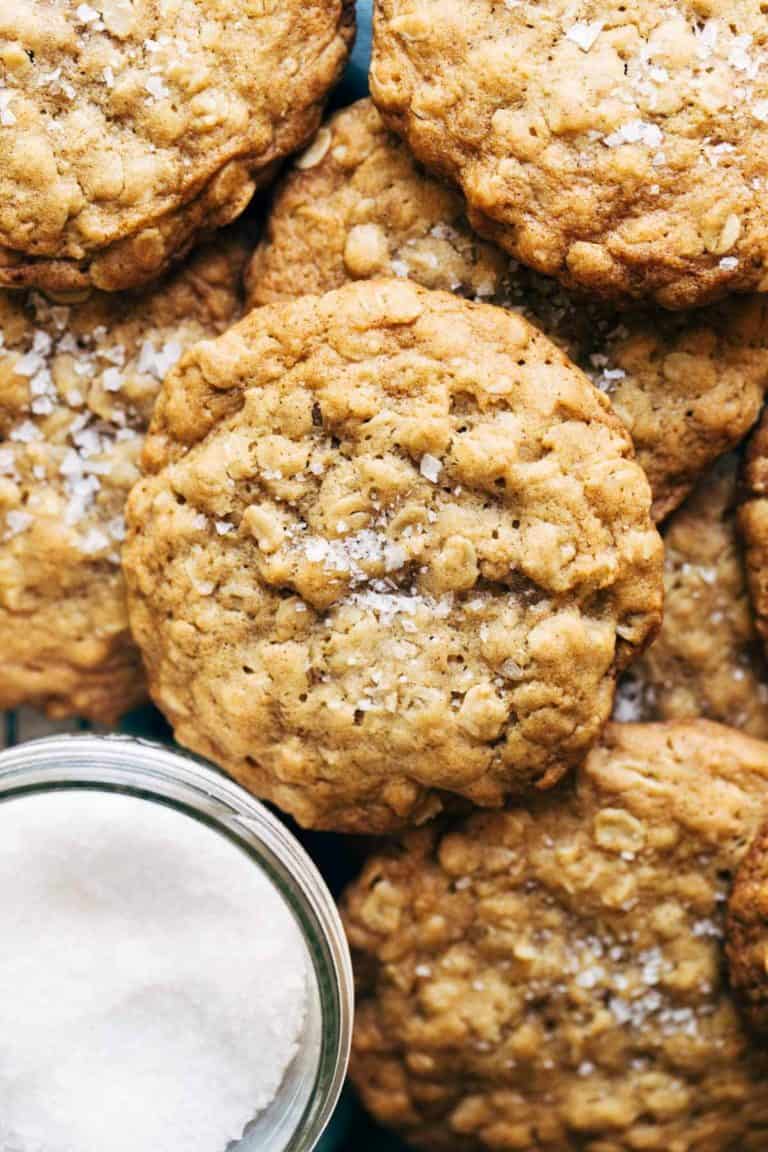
448, 512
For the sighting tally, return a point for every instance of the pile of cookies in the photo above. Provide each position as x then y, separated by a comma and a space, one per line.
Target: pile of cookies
440, 516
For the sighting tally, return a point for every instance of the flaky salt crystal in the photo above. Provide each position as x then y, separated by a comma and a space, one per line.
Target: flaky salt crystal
635, 132
585, 33
86, 14
94, 541
430, 468
25, 432
16, 522
7, 117
112, 379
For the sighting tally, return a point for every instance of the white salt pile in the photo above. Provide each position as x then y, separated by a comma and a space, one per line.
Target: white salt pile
153, 985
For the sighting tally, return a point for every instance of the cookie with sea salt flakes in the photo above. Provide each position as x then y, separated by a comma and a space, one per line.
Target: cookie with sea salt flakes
77, 385
707, 659
688, 387
622, 148
553, 980
748, 933
394, 549
127, 130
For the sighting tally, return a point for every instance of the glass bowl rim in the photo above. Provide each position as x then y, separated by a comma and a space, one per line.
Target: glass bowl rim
144, 768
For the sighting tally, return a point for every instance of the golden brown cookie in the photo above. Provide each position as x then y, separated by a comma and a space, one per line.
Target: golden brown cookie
395, 549
707, 659
753, 521
128, 129
552, 980
620, 147
688, 387
77, 385
748, 933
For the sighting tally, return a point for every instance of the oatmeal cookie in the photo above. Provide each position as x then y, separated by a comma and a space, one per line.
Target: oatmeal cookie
129, 129
395, 548
551, 980
748, 933
753, 521
707, 659
77, 385
620, 147
687, 386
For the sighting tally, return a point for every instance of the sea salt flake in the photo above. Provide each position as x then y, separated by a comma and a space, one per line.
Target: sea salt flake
156, 87
41, 382
395, 557
7, 118
707, 927
316, 549
71, 465
635, 132
739, 57
585, 33
706, 39
168, 355
729, 263
29, 363
26, 432
430, 468
86, 14
93, 541
112, 379
16, 523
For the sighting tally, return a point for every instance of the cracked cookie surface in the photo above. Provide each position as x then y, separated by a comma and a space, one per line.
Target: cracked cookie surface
622, 148
552, 980
707, 659
748, 933
395, 549
77, 385
128, 128
688, 387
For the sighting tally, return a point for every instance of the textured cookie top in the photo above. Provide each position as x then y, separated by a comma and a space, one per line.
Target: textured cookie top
552, 980
707, 659
753, 521
621, 147
748, 933
77, 385
357, 205
126, 125
396, 547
